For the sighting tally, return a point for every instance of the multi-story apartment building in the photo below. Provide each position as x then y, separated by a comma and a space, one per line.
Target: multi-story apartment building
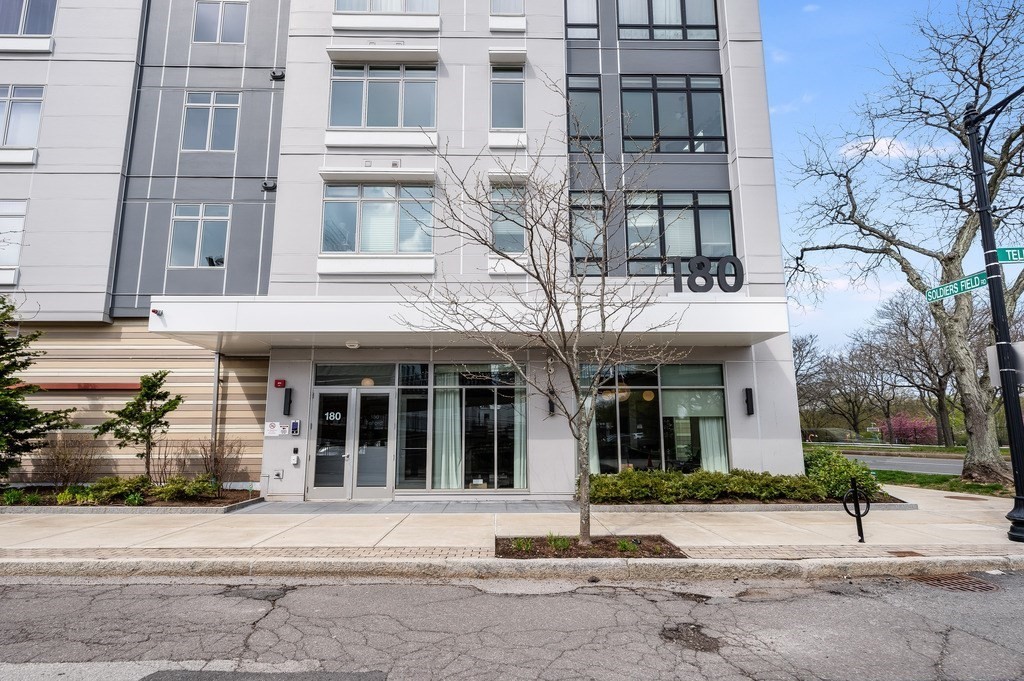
278, 208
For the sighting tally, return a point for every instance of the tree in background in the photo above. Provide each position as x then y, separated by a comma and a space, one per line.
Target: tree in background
808, 362
898, 194
22, 427
143, 419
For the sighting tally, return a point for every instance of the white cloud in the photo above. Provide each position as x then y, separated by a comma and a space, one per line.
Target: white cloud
792, 106
889, 147
812, 8
779, 56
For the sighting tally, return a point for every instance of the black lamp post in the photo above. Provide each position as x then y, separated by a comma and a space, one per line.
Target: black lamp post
1007, 365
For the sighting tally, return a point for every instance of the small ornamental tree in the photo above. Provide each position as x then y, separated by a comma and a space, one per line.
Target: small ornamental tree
140, 422
22, 427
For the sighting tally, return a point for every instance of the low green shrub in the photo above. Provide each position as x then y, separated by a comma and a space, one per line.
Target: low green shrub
65, 498
33, 499
106, 490
626, 546
833, 471
524, 544
178, 488
134, 499
558, 543
13, 497
673, 487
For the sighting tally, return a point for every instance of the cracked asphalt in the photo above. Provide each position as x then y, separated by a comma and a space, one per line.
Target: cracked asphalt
307, 630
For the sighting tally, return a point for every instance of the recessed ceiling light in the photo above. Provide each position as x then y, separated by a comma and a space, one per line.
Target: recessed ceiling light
352, 345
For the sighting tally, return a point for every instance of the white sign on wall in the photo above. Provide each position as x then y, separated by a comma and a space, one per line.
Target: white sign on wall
274, 429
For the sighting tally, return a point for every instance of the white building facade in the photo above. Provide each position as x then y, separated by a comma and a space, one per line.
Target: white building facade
384, 100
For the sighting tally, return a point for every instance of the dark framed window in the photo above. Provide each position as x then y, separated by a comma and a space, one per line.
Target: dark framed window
673, 114
585, 121
663, 225
508, 95
581, 19
383, 96
667, 20
587, 215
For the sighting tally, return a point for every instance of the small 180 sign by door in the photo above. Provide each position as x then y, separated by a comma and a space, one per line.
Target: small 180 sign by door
729, 276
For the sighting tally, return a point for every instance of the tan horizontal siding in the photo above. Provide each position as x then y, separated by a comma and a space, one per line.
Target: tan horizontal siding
124, 351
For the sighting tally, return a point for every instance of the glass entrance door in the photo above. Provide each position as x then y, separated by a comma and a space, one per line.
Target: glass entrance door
374, 444
353, 449
330, 461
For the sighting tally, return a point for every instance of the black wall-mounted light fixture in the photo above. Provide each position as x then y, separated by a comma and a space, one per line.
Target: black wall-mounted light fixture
270, 185
286, 409
748, 396
551, 403
277, 74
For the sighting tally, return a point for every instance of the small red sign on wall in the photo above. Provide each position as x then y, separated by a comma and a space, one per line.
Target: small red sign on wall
280, 383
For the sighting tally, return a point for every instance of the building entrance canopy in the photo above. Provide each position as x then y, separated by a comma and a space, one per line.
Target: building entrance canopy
254, 325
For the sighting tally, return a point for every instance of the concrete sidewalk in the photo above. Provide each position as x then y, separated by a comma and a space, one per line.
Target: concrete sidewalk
949, 532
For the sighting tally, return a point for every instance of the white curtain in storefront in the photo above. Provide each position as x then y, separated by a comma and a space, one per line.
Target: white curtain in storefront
632, 11
714, 455
447, 434
519, 463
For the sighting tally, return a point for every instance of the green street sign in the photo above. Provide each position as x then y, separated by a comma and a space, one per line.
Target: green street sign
1011, 255
955, 288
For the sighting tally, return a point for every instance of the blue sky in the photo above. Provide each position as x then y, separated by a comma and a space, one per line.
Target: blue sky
822, 56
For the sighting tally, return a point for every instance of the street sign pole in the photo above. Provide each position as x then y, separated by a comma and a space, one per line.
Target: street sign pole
1004, 351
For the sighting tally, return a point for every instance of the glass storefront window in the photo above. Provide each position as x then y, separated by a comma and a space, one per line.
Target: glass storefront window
411, 468
654, 418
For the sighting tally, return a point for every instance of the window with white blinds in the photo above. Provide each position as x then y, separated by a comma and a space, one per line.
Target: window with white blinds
507, 225
663, 225
364, 218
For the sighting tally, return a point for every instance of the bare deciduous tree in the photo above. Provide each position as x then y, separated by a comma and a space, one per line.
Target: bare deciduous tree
898, 194
547, 226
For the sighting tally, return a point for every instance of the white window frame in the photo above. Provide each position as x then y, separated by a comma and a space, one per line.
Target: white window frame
220, 22
521, 11
5, 118
402, 80
202, 219
10, 209
361, 200
521, 81
212, 106
370, 10
24, 18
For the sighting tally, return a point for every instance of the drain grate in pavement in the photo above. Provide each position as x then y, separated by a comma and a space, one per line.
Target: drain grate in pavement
956, 583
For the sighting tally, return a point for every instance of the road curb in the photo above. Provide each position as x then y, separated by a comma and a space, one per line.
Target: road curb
129, 510
611, 569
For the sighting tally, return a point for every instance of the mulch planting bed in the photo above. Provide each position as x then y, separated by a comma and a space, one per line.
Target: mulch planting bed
227, 497
879, 498
635, 546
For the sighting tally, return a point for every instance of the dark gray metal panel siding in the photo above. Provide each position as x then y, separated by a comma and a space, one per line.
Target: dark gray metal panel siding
160, 174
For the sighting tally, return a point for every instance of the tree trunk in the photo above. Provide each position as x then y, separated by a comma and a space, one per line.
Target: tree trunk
944, 427
983, 462
583, 462
888, 424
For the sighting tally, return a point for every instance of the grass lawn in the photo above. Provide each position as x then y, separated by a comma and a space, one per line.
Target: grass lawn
947, 483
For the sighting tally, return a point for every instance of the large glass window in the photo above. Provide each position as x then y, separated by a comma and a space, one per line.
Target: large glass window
388, 96
663, 225
20, 106
12, 224
673, 114
479, 428
654, 418
507, 224
378, 219
220, 22
581, 18
199, 235
585, 113
387, 6
211, 121
508, 86
667, 20
588, 232
27, 17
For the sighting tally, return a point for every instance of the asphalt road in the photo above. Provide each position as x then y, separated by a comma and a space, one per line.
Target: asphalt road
165, 630
911, 464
